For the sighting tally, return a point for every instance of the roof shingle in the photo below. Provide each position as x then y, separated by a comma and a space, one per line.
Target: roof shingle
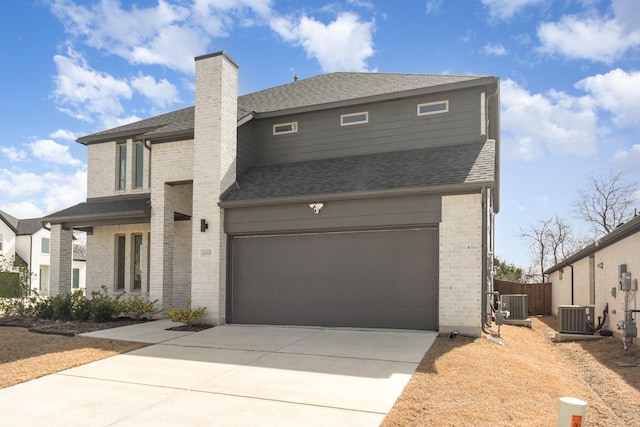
452, 165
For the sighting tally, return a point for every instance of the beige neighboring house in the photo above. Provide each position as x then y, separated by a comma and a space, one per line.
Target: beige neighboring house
30, 241
592, 276
344, 199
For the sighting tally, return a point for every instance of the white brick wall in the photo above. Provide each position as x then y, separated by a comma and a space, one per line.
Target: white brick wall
101, 253
101, 164
461, 264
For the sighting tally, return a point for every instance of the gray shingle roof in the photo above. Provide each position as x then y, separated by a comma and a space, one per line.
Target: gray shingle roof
108, 207
336, 87
11, 221
325, 89
454, 165
22, 227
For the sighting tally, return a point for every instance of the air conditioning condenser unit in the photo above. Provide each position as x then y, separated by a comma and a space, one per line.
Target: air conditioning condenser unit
517, 305
575, 319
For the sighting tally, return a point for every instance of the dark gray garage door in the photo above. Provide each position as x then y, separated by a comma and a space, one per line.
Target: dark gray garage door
379, 279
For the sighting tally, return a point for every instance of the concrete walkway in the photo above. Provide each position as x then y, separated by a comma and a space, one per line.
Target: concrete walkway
227, 376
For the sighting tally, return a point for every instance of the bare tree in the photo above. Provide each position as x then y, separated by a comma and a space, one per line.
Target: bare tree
538, 236
605, 202
550, 241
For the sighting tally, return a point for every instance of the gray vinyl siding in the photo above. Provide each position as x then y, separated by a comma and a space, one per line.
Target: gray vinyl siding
245, 148
335, 215
393, 126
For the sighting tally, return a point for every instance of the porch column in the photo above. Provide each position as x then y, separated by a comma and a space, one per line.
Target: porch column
60, 258
161, 248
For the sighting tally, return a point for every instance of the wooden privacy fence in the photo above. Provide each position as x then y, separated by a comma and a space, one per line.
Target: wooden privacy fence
539, 294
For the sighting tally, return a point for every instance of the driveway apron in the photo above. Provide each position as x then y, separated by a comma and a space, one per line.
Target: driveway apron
227, 376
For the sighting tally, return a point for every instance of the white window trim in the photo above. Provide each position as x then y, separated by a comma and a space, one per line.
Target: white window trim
294, 128
344, 116
446, 110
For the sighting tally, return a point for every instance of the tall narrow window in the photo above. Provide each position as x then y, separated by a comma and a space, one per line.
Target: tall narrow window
76, 278
120, 257
137, 262
0, 242
139, 164
44, 245
122, 166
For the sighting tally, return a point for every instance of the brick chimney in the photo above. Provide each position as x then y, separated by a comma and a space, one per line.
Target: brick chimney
214, 170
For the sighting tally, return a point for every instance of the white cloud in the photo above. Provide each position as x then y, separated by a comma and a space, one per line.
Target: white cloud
161, 93
22, 210
64, 134
592, 38
52, 152
140, 35
505, 9
627, 159
64, 190
23, 191
170, 34
13, 154
17, 184
554, 122
617, 92
82, 91
342, 45
494, 49
434, 6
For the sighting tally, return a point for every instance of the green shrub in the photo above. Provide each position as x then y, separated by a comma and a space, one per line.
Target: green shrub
103, 307
81, 306
135, 307
187, 315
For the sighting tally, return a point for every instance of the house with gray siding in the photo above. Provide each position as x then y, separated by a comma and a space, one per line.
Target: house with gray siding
344, 199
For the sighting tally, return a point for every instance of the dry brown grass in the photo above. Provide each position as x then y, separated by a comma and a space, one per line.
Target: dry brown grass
25, 355
460, 381
466, 381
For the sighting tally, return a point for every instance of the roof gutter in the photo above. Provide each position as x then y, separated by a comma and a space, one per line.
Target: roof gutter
447, 189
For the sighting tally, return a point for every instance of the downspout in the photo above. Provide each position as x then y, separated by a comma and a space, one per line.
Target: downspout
30, 264
147, 144
484, 291
571, 265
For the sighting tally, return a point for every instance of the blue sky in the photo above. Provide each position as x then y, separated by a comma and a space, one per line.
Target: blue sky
570, 80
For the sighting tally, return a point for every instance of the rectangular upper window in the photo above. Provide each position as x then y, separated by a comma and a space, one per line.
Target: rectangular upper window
139, 165
121, 180
285, 128
433, 108
44, 245
0, 242
354, 118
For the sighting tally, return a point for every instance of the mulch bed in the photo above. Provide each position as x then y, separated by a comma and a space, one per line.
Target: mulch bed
67, 328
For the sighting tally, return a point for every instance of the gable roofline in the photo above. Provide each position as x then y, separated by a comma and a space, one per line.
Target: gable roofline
382, 97
11, 221
321, 92
625, 230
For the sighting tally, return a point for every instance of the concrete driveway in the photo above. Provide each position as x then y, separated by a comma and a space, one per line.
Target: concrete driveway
227, 376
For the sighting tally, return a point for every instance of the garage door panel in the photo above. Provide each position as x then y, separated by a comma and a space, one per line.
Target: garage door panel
365, 279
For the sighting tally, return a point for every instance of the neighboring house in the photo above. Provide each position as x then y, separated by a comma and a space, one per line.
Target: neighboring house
29, 241
345, 199
590, 277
